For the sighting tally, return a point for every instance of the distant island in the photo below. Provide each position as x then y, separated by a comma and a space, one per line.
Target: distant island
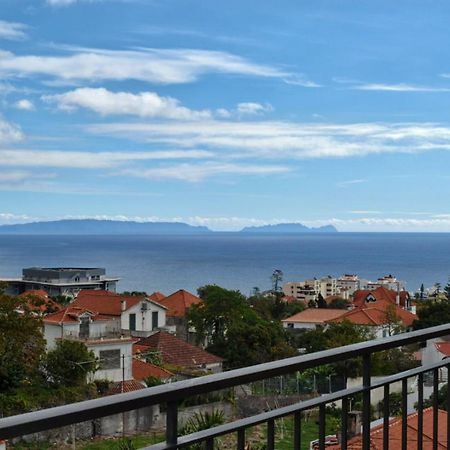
289, 228
94, 226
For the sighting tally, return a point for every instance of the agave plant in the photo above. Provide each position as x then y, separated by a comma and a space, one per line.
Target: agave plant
202, 421
126, 444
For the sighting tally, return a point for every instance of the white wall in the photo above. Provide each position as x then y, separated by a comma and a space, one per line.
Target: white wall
125, 348
300, 326
143, 318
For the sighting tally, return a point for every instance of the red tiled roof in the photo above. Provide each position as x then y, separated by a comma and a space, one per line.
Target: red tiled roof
395, 433
179, 302
40, 293
125, 386
443, 347
72, 314
315, 315
381, 294
177, 352
106, 302
375, 315
157, 296
39, 301
143, 370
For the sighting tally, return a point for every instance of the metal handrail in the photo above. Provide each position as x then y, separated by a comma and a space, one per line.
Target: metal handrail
78, 412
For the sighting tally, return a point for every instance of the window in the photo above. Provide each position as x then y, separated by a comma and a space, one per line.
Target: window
132, 320
154, 320
84, 327
109, 359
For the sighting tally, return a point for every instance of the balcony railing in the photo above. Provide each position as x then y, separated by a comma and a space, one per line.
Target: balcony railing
172, 394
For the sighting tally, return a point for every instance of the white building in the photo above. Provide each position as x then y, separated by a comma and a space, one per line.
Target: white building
309, 290
101, 334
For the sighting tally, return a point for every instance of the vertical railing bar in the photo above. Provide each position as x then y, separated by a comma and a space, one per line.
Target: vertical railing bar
271, 435
172, 423
209, 444
405, 414
448, 406
322, 426
366, 401
386, 414
344, 423
435, 407
298, 430
420, 412
241, 439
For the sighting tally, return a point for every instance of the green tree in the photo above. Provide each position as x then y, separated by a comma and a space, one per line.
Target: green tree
392, 322
321, 303
232, 329
447, 289
70, 363
339, 303
22, 345
432, 313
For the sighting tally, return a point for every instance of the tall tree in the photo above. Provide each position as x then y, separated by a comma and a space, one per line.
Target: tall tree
22, 344
231, 328
277, 278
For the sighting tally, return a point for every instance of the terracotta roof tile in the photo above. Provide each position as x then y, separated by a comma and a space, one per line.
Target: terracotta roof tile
375, 315
143, 370
395, 433
381, 294
125, 386
177, 352
106, 302
72, 314
157, 296
179, 302
443, 347
316, 315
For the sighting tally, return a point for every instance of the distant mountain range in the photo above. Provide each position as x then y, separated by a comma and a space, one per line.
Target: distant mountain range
92, 226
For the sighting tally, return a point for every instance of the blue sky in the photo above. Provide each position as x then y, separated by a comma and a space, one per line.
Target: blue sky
226, 114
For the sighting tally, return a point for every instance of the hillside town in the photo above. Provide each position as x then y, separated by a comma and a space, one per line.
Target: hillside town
92, 335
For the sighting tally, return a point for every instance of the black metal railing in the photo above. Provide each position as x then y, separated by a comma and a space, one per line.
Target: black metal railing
172, 394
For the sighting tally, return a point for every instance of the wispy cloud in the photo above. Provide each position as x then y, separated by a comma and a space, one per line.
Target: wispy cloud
199, 172
9, 132
12, 30
351, 182
365, 212
143, 104
400, 87
165, 66
89, 160
287, 140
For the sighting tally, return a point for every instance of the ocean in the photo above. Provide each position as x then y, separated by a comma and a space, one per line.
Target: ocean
235, 261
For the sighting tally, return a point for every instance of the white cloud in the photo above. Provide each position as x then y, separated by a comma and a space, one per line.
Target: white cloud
12, 30
89, 160
9, 132
252, 108
24, 104
351, 182
400, 87
60, 2
11, 218
199, 172
144, 104
287, 140
21, 176
146, 64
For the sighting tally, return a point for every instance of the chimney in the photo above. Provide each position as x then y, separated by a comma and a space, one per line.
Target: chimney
354, 424
397, 297
123, 304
